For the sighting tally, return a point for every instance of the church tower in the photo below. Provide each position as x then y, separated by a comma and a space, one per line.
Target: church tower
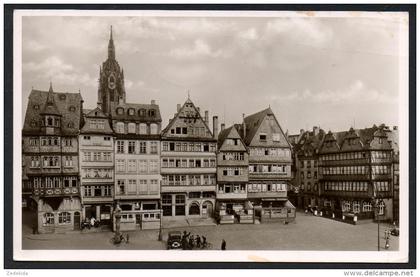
111, 88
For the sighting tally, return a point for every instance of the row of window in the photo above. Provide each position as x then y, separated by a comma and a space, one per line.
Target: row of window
344, 170
97, 156
101, 173
50, 141
343, 156
233, 171
54, 182
381, 186
274, 152
63, 218
233, 156
134, 166
229, 188
188, 163
133, 128
97, 191
96, 140
346, 186
308, 163
268, 168
50, 161
97, 124
137, 147
133, 186
140, 112
188, 180
308, 175
267, 187
188, 147
192, 131
381, 169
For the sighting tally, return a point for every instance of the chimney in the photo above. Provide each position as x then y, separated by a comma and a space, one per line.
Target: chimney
395, 128
206, 117
178, 107
222, 127
243, 124
215, 127
316, 130
302, 131
153, 102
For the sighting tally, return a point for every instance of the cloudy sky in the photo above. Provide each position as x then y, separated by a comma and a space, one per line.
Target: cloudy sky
330, 72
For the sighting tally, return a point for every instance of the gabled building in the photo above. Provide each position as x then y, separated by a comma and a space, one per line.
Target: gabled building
96, 152
355, 173
188, 164
50, 158
232, 178
270, 162
306, 166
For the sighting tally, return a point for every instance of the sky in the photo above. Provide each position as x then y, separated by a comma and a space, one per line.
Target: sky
333, 72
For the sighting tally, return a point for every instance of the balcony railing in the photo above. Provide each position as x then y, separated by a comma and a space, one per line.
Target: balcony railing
55, 191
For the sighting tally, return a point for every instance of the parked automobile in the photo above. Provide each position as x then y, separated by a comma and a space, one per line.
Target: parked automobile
174, 240
395, 231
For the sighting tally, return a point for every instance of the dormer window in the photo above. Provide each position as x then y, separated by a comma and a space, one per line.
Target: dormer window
57, 122
131, 112
380, 140
72, 108
62, 97
151, 113
142, 112
36, 107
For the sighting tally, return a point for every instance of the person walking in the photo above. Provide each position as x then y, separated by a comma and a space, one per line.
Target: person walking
223, 244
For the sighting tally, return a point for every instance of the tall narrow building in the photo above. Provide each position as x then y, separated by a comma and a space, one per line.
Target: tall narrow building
96, 152
188, 164
51, 160
270, 162
111, 88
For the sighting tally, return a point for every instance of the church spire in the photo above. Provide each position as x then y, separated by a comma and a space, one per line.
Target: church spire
111, 48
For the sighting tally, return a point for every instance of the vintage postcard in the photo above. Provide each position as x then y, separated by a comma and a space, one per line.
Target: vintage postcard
222, 136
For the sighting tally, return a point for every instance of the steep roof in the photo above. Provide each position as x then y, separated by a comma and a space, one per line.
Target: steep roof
137, 116
222, 136
196, 115
68, 105
253, 123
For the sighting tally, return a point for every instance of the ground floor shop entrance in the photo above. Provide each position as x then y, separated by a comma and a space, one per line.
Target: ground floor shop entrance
191, 205
98, 212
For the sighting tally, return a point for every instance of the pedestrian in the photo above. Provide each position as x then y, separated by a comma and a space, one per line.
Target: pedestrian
204, 241
92, 221
34, 229
198, 240
223, 244
191, 242
126, 238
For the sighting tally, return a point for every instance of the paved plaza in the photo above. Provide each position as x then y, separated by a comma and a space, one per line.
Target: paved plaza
307, 233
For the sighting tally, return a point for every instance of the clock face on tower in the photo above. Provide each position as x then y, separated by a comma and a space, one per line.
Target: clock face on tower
111, 81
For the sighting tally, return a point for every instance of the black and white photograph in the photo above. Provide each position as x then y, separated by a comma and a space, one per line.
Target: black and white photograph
254, 136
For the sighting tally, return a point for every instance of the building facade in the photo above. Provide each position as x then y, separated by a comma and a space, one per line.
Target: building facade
137, 163
270, 162
355, 173
232, 178
188, 164
51, 160
96, 152
306, 166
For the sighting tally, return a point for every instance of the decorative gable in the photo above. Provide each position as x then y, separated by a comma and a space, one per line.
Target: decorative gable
188, 123
329, 144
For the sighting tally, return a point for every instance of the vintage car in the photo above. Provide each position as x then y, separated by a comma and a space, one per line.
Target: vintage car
174, 240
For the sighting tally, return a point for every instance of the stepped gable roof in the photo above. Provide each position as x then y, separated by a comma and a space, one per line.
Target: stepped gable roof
172, 121
96, 113
68, 105
309, 142
142, 112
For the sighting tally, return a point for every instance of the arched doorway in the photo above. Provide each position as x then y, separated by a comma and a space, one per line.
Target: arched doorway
207, 209
76, 220
194, 209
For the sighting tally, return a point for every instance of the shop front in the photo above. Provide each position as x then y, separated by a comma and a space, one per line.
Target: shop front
99, 212
140, 215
